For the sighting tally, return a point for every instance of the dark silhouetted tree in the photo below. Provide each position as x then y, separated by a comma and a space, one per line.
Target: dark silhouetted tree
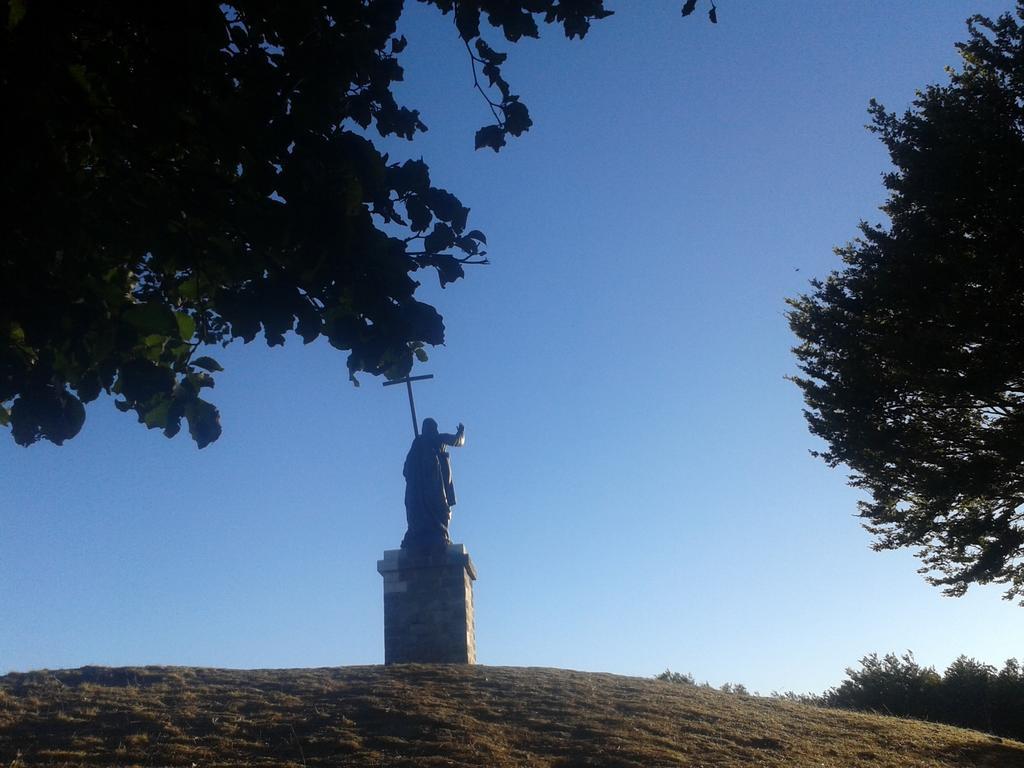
913, 354
967, 688
1007, 705
182, 175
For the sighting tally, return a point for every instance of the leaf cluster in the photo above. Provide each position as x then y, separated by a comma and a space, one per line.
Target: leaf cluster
911, 355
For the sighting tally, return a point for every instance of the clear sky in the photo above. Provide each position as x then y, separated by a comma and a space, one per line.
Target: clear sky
636, 490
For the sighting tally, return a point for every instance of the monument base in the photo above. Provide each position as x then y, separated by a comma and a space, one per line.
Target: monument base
428, 606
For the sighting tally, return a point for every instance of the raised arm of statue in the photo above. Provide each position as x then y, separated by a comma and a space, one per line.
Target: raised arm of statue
457, 440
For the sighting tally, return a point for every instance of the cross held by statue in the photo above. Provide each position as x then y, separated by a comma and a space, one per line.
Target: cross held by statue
408, 380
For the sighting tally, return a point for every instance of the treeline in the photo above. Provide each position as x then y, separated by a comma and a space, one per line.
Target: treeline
969, 693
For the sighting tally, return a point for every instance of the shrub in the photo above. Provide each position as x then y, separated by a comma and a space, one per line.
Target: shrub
675, 677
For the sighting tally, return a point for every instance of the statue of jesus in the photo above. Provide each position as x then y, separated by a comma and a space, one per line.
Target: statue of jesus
429, 492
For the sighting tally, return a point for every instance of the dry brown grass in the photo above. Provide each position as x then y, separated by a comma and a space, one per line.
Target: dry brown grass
426, 715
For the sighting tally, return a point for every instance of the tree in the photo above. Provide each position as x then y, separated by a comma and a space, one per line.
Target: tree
178, 176
682, 678
895, 685
967, 694
913, 354
970, 694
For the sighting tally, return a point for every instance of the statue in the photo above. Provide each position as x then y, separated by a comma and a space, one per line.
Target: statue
429, 492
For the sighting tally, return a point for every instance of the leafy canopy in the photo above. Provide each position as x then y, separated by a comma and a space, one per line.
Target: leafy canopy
183, 175
913, 354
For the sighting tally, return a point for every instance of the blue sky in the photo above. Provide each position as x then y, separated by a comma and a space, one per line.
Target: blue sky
636, 489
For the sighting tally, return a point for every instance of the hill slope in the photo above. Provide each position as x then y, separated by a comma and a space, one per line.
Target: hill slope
425, 715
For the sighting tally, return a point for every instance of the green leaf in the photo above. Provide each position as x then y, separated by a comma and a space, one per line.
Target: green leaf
490, 136
203, 422
174, 416
16, 334
141, 380
189, 289
16, 14
156, 417
410, 176
5, 416
242, 316
419, 214
151, 318
421, 354
89, 387
186, 325
199, 380
309, 324
207, 364
467, 20
517, 117
447, 207
468, 245
488, 54
442, 237
448, 268
154, 344
180, 352
425, 324
72, 418
77, 72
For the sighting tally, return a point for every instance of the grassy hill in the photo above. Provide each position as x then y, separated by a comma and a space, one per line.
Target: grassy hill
426, 715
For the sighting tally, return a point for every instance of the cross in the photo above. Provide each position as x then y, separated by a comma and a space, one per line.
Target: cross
408, 380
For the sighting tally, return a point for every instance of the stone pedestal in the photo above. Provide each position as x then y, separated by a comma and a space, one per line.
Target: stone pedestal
428, 606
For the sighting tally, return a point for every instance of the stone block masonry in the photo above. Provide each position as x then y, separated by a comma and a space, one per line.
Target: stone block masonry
428, 606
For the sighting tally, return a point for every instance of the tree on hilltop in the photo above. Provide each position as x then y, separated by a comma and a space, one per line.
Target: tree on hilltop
177, 176
913, 354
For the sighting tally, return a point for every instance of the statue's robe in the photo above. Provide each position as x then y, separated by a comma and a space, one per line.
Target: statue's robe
429, 491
